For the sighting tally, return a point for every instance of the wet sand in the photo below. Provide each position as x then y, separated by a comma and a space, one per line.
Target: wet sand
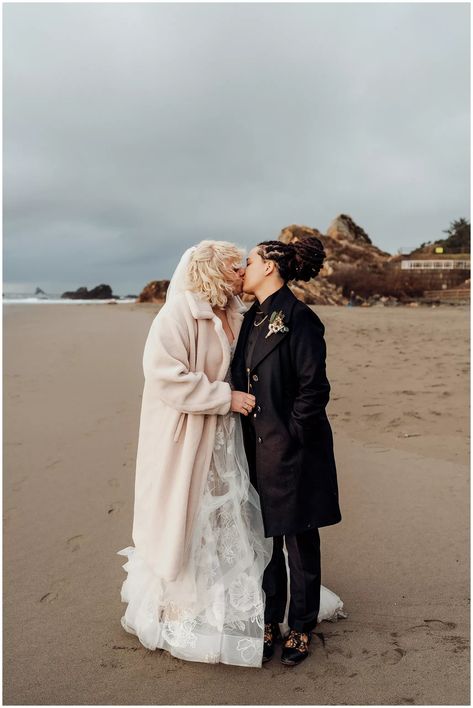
399, 559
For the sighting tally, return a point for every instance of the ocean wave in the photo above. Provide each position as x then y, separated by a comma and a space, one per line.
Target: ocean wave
31, 300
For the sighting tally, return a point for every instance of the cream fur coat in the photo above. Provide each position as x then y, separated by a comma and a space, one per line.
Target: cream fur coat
186, 358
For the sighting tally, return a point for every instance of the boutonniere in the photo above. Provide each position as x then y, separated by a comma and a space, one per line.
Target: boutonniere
276, 324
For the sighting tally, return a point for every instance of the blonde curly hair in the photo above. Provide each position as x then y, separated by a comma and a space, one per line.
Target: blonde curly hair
209, 269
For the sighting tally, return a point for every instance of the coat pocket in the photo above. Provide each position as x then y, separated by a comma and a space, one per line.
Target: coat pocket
179, 425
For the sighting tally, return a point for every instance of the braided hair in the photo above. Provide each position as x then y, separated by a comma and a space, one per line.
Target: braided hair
299, 260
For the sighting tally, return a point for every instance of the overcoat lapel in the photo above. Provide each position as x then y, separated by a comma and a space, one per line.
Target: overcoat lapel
247, 320
283, 302
202, 310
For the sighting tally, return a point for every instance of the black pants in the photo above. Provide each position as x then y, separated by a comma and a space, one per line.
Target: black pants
303, 552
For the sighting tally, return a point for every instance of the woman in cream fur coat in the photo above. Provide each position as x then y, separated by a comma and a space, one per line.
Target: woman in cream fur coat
194, 574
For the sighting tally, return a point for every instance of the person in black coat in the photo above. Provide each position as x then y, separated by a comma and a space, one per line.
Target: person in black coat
280, 359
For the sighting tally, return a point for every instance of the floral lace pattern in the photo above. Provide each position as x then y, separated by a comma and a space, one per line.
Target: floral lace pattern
214, 611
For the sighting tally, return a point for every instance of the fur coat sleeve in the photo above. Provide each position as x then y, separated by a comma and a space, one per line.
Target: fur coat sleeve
167, 360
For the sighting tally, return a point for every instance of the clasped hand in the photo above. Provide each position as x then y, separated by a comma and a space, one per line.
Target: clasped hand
242, 402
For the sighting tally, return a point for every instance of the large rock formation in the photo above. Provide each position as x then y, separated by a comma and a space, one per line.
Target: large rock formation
100, 292
155, 291
349, 250
346, 245
343, 228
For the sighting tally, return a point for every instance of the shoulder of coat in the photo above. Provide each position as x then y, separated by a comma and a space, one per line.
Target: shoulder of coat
303, 313
177, 303
175, 310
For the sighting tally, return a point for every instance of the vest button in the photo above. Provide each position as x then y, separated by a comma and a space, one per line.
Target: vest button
260, 440
255, 377
258, 408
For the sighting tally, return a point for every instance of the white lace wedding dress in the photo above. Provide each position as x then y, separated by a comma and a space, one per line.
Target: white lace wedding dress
214, 610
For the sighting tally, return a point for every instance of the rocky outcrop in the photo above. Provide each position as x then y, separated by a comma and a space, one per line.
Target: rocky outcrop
100, 292
351, 257
38, 291
343, 228
155, 291
345, 244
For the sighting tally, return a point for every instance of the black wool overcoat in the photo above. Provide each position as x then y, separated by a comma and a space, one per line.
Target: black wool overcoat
288, 438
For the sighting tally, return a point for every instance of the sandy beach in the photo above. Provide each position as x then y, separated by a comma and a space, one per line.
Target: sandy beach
399, 559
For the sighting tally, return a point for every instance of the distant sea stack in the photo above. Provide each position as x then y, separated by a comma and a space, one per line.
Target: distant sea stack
155, 291
100, 292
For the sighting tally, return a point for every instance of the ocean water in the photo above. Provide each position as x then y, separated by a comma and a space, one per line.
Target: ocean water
55, 299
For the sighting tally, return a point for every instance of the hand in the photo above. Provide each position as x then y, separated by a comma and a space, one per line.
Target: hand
242, 402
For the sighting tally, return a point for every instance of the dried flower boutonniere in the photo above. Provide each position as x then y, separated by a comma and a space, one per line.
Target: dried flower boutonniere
276, 324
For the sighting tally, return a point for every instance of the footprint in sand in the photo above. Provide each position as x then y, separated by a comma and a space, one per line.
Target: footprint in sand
113, 482
54, 592
393, 655
346, 653
440, 624
52, 464
435, 624
114, 506
459, 643
395, 422
49, 597
372, 416
74, 542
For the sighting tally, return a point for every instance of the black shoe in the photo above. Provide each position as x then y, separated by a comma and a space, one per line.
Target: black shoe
271, 633
295, 648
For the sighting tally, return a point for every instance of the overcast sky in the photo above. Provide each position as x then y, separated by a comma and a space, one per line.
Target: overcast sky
132, 131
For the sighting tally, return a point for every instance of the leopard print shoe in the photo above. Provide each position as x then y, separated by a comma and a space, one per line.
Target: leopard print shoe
296, 647
271, 633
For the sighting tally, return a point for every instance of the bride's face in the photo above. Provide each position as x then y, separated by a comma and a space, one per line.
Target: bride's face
235, 275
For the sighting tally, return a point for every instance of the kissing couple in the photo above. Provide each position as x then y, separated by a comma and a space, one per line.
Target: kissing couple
235, 470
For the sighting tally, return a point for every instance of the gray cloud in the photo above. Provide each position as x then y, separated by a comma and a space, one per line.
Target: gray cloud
134, 130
